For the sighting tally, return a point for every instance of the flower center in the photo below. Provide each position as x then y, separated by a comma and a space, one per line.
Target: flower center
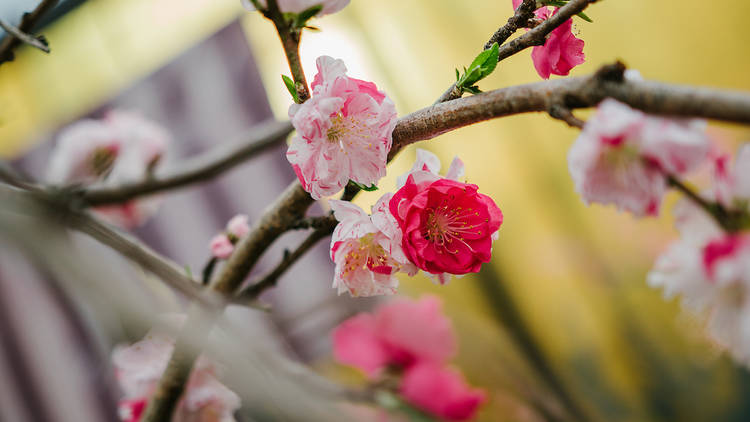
344, 129
448, 224
369, 255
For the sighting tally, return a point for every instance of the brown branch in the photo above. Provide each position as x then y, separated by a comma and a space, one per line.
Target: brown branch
26, 26
39, 43
536, 36
579, 92
290, 38
312, 223
198, 169
269, 280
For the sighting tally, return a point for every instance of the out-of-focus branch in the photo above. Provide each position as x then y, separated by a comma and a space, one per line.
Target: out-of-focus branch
26, 26
323, 222
536, 36
39, 43
729, 220
199, 169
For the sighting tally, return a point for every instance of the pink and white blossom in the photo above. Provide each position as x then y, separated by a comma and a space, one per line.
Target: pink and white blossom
298, 6
731, 185
401, 332
121, 148
139, 367
561, 52
441, 391
623, 156
221, 247
366, 250
344, 132
448, 226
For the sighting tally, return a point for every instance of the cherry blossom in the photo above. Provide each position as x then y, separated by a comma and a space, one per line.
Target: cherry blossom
623, 156
344, 132
367, 255
448, 226
400, 332
561, 52
441, 391
222, 245
139, 367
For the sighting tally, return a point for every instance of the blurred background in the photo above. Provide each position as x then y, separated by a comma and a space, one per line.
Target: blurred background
566, 285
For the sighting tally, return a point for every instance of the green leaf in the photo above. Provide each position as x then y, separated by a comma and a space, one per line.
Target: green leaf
364, 187
585, 17
301, 20
482, 66
561, 3
290, 87
188, 272
458, 75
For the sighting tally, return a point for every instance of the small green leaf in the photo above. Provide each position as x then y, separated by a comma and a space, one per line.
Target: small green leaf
300, 21
290, 87
364, 187
473, 89
482, 66
585, 17
458, 75
188, 272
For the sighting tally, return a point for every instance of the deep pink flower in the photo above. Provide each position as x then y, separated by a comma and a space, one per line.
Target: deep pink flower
401, 333
298, 6
441, 391
561, 52
727, 259
448, 226
139, 367
622, 156
367, 255
344, 132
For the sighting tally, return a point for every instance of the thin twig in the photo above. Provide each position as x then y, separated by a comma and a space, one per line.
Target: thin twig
270, 279
536, 36
26, 38
198, 169
290, 38
729, 220
523, 13
313, 223
26, 26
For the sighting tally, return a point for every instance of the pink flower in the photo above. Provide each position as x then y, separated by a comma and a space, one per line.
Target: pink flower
139, 367
731, 186
622, 155
401, 332
221, 247
561, 52
343, 132
85, 152
121, 148
298, 6
448, 226
441, 392
367, 255
238, 226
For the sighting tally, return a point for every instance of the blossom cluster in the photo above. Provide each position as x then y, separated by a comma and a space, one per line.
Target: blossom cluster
123, 147
627, 158
412, 341
138, 368
436, 224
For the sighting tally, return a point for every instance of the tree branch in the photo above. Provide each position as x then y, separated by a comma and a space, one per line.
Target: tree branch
39, 43
520, 19
198, 169
26, 26
290, 38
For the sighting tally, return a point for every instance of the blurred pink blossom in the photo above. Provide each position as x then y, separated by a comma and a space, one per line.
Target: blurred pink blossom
139, 367
448, 226
221, 247
400, 332
297, 6
441, 391
121, 148
622, 156
344, 132
238, 226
